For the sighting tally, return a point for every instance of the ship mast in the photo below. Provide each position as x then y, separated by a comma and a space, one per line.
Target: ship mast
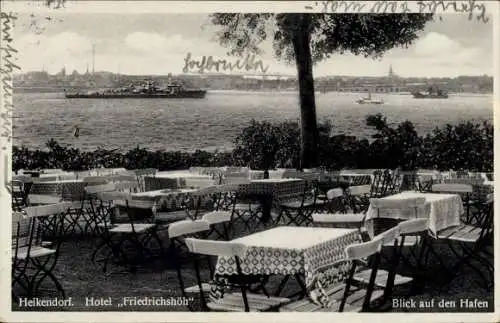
93, 58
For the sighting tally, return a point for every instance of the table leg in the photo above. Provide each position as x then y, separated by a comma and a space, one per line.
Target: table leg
266, 202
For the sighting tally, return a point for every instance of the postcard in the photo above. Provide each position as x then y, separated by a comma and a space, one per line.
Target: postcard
191, 161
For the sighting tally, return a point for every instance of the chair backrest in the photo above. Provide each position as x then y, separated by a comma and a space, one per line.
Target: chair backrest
413, 226
308, 176
334, 193
359, 190
22, 178
51, 170
23, 232
121, 178
113, 196
45, 179
464, 180
195, 170
145, 171
142, 203
388, 236
21, 229
381, 182
185, 227
95, 180
47, 210
363, 250
289, 173
452, 188
129, 186
215, 248
236, 180
198, 182
68, 176
110, 187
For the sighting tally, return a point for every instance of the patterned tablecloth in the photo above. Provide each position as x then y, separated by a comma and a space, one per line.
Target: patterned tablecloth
259, 174
73, 190
442, 210
278, 251
168, 199
275, 187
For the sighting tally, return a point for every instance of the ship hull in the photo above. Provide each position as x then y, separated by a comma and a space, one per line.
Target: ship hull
182, 95
427, 96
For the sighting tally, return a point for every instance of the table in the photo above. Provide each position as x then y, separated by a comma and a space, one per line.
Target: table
73, 189
168, 199
272, 186
442, 210
175, 179
278, 251
268, 190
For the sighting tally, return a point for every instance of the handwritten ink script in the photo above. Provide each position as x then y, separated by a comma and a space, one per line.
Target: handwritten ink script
470, 7
209, 64
7, 66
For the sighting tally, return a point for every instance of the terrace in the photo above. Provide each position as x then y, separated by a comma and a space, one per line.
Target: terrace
80, 222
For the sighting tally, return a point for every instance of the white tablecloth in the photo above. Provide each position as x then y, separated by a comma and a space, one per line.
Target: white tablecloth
442, 210
293, 250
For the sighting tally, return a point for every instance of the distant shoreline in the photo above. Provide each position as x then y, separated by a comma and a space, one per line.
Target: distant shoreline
61, 91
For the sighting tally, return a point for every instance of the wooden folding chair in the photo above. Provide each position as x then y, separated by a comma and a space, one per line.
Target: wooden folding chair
135, 229
297, 209
247, 211
225, 215
381, 183
98, 210
19, 193
350, 296
231, 302
394, 240
472, 242
22, 236
178, 252
339, 218
32, 247
358, 198
141, 174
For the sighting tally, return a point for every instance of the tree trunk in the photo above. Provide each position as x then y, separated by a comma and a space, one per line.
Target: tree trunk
309, 136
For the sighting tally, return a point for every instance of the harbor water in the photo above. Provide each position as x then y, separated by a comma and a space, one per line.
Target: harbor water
214, 122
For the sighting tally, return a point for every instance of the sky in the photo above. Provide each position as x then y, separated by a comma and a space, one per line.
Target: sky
157, 44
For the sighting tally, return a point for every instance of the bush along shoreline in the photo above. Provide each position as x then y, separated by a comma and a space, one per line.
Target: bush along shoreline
262, 145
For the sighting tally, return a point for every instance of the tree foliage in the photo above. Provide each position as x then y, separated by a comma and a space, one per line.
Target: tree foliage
370, 35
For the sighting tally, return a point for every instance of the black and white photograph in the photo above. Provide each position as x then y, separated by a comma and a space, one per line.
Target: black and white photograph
326, 157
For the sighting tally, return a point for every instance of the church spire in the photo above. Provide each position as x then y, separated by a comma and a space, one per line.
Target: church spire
391, 71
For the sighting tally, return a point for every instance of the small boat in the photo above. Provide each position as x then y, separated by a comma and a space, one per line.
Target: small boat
369, 100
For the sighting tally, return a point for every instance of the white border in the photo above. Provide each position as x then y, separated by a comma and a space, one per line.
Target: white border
138, 7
